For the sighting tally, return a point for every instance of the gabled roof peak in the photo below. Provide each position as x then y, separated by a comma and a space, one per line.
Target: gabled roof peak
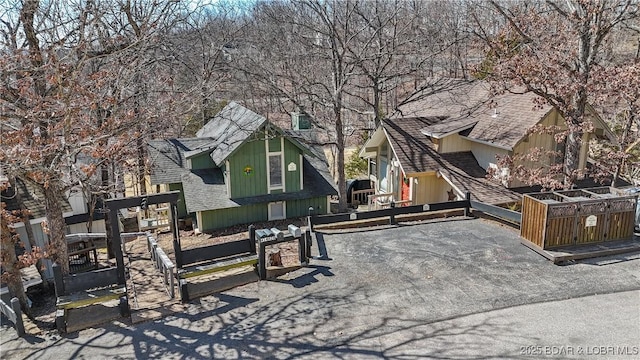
229, 129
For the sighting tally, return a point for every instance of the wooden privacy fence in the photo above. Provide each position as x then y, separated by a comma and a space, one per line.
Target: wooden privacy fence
14, 314
391, 212
575, 217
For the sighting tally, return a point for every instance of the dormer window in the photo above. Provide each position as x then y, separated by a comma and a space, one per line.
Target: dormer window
300, 121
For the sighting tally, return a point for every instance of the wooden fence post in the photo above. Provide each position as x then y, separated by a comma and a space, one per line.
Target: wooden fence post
177, 250
58, 281
262, 266
301, 250
392, 217
307, 242
252, 238
310, 224
467, 197
15, 306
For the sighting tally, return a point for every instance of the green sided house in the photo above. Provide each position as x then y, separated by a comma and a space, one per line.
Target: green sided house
242, 169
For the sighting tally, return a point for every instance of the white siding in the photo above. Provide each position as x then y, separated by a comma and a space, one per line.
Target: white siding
97, 226
77, 202
486, 154
41, 240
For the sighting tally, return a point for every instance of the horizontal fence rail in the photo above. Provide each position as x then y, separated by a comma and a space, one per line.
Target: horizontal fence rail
498, 212
162, 263
391, 212
14, 314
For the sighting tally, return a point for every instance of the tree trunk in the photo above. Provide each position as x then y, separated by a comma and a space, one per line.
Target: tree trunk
57, 226
12, 274
142, 183
342, 191
377, 107
575, 121
10, 265
572, 157
623, 142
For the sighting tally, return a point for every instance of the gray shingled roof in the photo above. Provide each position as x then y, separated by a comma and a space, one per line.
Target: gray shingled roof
502, 119
167, 158
229, 129
205, 189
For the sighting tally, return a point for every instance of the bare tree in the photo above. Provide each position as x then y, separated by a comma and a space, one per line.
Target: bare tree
202, 45
66, 88
553, 50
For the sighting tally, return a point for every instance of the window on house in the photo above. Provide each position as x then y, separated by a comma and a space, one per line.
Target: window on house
560, 149
383, 176
275, 171
277, 210
373, 168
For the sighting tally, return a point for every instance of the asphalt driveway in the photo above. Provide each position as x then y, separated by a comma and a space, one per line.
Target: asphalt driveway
416, 291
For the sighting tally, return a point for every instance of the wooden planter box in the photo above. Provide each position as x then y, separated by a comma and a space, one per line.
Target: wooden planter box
575, 217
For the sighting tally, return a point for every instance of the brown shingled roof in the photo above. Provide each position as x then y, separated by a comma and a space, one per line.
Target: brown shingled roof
416, 154
414, 150
501, 119
462, 170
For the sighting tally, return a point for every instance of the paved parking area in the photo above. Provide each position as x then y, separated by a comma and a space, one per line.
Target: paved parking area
450, 289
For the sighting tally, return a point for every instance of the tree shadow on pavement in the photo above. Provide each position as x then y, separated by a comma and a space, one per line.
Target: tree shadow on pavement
310, 325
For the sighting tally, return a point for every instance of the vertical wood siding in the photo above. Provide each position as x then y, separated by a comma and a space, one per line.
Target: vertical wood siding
430, 189
202, 161
217, 219
222, 218
541, 141
182, 207
253, 155
299, 208
291, 178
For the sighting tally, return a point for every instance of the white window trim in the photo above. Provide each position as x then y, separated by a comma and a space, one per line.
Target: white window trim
282, 167
301, 175
227, 177
284, 210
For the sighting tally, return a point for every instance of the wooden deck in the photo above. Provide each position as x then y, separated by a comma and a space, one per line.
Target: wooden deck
562, 255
